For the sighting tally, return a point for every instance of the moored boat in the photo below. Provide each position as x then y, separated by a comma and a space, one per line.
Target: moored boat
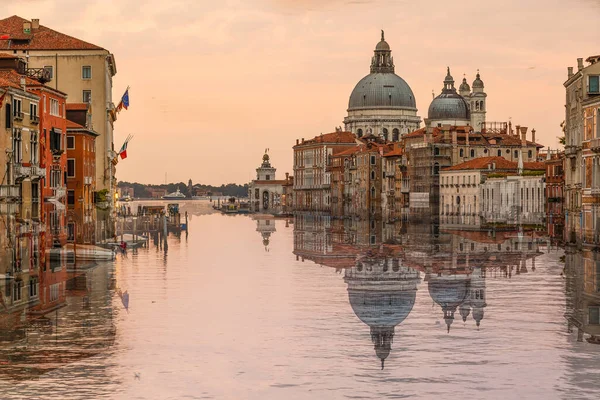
177, 195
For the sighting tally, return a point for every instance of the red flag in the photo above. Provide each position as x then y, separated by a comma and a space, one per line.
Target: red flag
123, 154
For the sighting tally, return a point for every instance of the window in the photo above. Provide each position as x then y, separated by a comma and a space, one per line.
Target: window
594, 315
17, 112
462, 153
372, 175
54, 291
594, 84
359, 133
71, 197
71, 168
472, 153
516, 153
87, 96
33, 111
56, 141
499, 153
86, 72
70, 142
50, 69
372, 160
17, 149
54, 107
530, 154
437, 151
34, 148
268, 177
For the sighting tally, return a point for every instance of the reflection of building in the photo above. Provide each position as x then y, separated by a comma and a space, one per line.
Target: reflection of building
265, 192
381, 293
582, 270
265, 225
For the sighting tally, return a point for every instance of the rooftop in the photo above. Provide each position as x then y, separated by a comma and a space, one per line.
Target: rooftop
42, 38
501, 164
334, 137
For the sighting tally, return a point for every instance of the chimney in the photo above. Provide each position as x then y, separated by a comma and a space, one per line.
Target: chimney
579, 64
517, 130
287, 176
467, 133
297, 142
524, 136
533, 135
27, 27
570, 70
35, 23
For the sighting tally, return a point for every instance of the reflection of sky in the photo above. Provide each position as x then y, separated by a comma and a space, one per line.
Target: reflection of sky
248, 72
225, 319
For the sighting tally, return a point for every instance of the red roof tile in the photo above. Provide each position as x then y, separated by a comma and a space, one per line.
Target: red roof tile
42, 38
501, 164
74, 125
334, 137
8, 56
11, 78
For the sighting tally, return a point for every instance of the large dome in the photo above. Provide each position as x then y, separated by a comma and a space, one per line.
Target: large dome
382, 90
382, 308
448, 106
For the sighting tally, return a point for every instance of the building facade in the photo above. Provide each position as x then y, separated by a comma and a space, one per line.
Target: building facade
582, 91
312, 181
266, 193
555, 189
81, 183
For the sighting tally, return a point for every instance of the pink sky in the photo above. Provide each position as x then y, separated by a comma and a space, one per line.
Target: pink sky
214, 83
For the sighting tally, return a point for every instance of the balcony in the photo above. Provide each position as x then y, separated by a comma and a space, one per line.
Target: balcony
34, 119
37, 172
43, 75
9, 192
595, 192
595, 145
87, 180
390, 174
571, 150
18, 116
58, 193
21, 172
9, 208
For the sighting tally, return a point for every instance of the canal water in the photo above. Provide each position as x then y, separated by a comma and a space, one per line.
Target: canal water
256, 307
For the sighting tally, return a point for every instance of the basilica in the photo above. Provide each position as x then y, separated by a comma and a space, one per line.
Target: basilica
383, 104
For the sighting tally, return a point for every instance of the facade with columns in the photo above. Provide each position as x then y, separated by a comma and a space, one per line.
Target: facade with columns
267, 194
382, 103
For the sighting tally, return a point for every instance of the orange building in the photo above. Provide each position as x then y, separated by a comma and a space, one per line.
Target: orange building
52, 128
81, 175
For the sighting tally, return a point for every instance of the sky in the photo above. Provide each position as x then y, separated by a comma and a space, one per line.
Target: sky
215, 83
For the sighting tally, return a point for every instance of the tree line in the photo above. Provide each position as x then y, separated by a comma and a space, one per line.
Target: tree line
141, 191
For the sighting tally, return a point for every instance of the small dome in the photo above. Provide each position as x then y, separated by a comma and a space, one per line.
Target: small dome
464, 86
448, 291
448, 106
382, 46
478, 83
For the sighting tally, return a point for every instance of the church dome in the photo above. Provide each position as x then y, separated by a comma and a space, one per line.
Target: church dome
449, 105
464, 86
478, 83
382, 90
382, 309
448, 292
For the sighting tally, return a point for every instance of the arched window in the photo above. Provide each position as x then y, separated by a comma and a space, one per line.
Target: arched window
472, 153
462, 153
499, 153
372, 192
436, 169
437, 151
385, 134
359, 132
395, 135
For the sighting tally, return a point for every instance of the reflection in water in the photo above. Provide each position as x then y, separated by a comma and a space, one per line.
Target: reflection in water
259, 323
383, 263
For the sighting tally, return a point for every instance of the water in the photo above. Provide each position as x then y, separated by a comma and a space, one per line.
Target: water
262, 308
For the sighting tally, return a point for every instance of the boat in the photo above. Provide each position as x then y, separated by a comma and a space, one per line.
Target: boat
125, 198
174, 196
233, 207
84, 252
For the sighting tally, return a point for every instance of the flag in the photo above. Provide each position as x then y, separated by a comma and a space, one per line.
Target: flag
124, 103
123, 151
125, 99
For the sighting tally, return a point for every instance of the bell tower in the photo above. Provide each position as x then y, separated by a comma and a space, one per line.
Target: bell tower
478, 104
